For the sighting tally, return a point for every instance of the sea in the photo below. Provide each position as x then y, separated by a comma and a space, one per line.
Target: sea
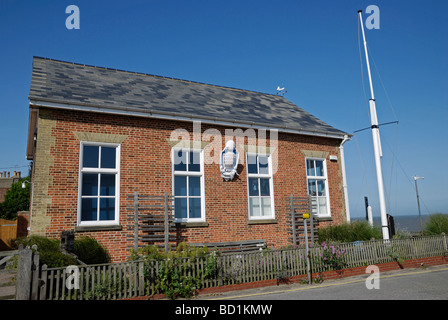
410, 223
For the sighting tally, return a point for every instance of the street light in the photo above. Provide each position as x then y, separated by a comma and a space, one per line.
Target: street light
23, 183
418, 201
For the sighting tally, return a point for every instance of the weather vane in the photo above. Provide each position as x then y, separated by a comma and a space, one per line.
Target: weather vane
281, 91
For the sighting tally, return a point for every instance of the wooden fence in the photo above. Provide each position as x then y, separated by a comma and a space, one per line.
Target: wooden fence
140, 278
153, 220
8, 232
295, 209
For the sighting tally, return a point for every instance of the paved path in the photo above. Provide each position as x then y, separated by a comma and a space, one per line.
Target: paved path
409, 284
7, 285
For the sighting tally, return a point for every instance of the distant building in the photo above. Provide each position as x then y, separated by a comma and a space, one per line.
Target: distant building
6, 181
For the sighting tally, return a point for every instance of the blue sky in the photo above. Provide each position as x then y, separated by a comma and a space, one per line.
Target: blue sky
309, 47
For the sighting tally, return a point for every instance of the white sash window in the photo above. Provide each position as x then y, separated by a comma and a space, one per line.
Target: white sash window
188, 185
99, 184
260, 186
316, 174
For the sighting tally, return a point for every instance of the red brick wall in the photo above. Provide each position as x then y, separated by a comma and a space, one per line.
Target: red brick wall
146, 168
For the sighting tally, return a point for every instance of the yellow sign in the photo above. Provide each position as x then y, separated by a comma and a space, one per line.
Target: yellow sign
306, 216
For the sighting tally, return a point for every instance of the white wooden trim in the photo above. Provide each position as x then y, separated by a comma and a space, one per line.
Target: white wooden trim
199, 174
271, 186
324, 178
115, 171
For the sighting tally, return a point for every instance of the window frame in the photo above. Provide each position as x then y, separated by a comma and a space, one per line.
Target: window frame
116, 171
187, 173
258, 176
324, 178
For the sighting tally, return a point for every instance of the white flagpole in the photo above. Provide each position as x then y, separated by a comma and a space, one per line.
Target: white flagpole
376, 143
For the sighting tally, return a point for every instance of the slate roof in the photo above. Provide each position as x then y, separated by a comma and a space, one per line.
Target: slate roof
67, 83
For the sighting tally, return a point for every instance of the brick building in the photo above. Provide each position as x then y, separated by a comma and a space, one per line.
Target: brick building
97, 135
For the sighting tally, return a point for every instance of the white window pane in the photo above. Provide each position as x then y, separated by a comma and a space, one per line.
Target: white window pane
89, 209
107, 209
180, 208
263, 165
264, 187
108, 157
195, 207
89, 184
253, 187
322, 205
90, 156
254, 207
310, 168
180, 160
319, 168
180, 185
321, 188
252, 166
312, 187
194, 163
107, 187
194, 186
266, 206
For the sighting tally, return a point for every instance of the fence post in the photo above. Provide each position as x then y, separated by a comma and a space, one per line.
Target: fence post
141, 279
293, 221
43, 287
35, 274
23, 290
444, 243
307, 251
136, 221
310, 204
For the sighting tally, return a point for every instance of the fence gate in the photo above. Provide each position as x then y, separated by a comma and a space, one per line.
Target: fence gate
8, 232
296, 207
153, 220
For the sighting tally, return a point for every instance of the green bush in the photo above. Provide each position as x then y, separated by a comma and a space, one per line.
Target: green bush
176, 276
349, 232
437, 223
89, 251
49, 252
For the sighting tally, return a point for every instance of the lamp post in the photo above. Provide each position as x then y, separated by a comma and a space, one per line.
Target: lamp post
26, 200
418, 201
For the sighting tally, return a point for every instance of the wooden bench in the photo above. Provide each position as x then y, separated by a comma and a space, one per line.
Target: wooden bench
233, 246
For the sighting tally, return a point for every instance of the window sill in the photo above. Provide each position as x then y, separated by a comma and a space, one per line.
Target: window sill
191, 224
324, 218
98, 228
262, 221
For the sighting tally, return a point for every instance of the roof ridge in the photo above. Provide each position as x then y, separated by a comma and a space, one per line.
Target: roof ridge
156, 76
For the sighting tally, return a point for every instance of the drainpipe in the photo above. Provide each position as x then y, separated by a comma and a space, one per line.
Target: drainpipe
344, 178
